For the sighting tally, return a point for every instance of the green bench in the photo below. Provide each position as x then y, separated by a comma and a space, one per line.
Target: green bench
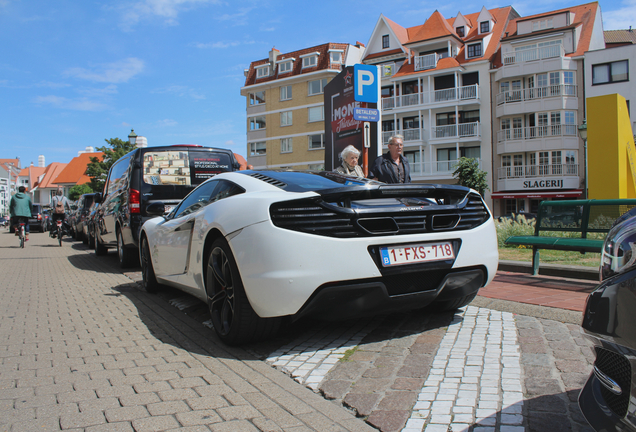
578, 216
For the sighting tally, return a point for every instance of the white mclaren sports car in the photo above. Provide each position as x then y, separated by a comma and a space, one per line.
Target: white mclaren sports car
260, 246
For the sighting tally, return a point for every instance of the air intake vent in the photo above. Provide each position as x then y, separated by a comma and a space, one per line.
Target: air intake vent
617, 368
269, 180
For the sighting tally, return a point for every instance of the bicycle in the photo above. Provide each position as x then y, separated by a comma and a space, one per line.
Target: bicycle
60, 230
21, 233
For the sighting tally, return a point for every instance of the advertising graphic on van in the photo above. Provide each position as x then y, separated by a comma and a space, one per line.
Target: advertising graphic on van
183, 168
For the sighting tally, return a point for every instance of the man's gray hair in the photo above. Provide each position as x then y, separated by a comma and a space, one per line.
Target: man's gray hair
349, 150
394, 137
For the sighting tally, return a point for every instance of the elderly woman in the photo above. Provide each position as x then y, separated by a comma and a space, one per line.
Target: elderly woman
350, 166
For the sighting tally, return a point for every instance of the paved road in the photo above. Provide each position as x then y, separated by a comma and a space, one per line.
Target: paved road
83, 347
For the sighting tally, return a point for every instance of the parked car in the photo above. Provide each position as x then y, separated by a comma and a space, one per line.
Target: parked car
258, 246
36, 221
608, 399
84, 203
88, 226
146, 175
4, 221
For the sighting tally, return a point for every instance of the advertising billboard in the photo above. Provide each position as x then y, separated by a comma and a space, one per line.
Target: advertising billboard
341, 128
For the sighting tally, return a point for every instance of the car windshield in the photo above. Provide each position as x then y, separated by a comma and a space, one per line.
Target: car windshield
303, 181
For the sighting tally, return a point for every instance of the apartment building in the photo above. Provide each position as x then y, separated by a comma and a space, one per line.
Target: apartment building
436, 88
609, 71
285, 104
538, 89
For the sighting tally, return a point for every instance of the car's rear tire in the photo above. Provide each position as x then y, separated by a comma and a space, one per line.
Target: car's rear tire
125, 255
233, 318
452, 304
91, 240
148, 278
100, 249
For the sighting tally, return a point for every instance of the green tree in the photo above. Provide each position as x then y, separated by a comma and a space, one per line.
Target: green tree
468, 173
98, 170
77, 190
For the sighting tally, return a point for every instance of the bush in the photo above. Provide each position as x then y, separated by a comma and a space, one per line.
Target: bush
518, 226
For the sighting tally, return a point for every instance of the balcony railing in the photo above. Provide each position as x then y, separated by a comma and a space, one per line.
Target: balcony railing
433, 168
537, 132
531, 54
454, 94
531, 171
408, 134
512, 96
456, 130
428, 61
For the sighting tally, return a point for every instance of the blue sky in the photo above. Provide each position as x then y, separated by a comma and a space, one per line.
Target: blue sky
76, 72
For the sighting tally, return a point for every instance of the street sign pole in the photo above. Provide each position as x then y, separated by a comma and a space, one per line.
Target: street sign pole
365, 149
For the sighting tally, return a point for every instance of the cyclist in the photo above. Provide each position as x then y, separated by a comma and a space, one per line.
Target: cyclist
21, 208
60, 204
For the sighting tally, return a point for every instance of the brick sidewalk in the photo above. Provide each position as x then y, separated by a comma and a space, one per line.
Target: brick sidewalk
83, 348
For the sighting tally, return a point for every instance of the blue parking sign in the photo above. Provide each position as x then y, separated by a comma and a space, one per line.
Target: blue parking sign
365, 83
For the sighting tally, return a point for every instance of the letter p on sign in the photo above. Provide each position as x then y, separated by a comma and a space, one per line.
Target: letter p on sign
365, 82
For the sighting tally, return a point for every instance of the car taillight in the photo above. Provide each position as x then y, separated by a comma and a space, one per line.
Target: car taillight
133, 201
39, 217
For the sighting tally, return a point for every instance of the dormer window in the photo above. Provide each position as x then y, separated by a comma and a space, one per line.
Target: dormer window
474, 50
285, 66
460, 31
484, 27
335, 56
542, 24
310, 60
262, 71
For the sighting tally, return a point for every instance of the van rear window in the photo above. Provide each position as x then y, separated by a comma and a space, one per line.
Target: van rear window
183, 167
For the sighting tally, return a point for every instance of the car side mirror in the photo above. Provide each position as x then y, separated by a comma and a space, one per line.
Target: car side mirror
156, 209
97, 198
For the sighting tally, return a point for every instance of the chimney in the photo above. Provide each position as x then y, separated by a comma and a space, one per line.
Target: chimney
273, 55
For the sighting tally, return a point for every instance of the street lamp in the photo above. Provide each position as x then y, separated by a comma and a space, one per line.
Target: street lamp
583, 135
132, 137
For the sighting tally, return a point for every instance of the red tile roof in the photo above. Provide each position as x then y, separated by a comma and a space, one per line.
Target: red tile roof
32, 172
584, 16
52, 171
625, 37
297, 69
75, 170
14, 162
434, 27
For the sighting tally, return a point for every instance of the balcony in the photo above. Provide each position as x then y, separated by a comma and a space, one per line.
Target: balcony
526, 55
408, 134
533, 171
441, 97
461, 130
425, 62
513, 96
525, 133
439, 168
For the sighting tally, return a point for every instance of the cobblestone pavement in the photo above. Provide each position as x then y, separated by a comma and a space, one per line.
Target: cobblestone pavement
478, 370
83, 349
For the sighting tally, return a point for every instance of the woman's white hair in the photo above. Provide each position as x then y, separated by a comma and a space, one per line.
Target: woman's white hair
349, 150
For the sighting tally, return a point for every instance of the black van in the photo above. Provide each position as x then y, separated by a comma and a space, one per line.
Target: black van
146, 175
78, 220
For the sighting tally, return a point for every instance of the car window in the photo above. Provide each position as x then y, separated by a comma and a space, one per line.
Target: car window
205, 194
225, 189
117, 175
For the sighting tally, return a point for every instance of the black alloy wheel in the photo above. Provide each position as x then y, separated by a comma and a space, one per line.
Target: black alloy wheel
149, 281
233, 318
124, 254
100, 249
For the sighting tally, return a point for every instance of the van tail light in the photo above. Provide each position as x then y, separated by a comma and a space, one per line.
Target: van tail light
39, 217
133, 201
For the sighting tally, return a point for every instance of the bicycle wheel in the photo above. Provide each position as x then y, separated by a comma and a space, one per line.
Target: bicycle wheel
22, 238
59, 236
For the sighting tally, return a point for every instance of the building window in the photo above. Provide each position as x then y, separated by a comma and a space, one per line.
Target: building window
542, 24
262, 72
385, 41
474, 50
310, 61
317, 167
257, 98
286, 145
285, 67
315, 114
610, 72
460, 31
317, 87
336, 56
484, 27
258, 148
285, 92
286, 118
316, 142
257, 123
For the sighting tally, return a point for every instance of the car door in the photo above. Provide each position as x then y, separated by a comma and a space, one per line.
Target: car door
114, 200
173, 237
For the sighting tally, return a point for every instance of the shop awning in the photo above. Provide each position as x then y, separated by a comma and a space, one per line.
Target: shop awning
573, 193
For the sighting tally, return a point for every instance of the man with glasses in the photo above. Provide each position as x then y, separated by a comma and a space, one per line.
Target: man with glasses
392, 167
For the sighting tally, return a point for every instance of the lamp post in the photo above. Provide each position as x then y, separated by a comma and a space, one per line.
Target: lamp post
132, 137
583, 135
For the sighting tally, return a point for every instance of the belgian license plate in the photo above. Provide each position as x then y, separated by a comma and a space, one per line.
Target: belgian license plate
419, 253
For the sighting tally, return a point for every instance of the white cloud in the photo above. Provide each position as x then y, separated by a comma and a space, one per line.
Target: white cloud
181, 91
168, 10
216, 45
81, 104
621, 18
239, 18
230, 143
166, 123
116, 72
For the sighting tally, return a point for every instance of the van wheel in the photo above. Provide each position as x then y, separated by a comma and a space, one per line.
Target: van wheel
234, 320
125, 255
100, 249
91, 240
